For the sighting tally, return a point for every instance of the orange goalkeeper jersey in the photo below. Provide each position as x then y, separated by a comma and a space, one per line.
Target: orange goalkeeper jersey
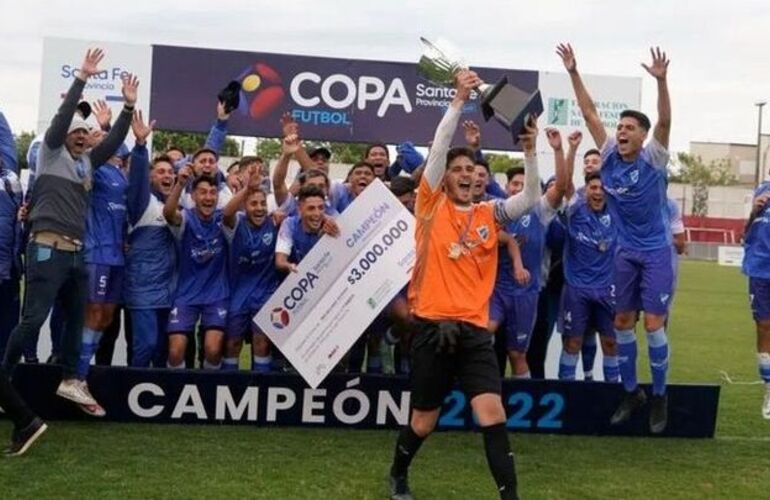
454, 275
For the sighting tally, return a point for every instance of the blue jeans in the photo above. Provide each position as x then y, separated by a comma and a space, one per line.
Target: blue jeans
51, 273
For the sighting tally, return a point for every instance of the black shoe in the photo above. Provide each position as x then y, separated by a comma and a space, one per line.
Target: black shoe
658, 414
22, 439
399, 488
632, 401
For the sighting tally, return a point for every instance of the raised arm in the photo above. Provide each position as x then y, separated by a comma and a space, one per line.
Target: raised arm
575, 138
436, 164
289, 147
587, 107
171, 208
8, 158
517, 205
138, 192
659, 70
57, 131
556, 192
218, 133
252, 182
289, 126
101, 153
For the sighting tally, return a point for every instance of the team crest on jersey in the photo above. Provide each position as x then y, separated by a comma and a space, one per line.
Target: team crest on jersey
526, 220
483, 232
267, 239
634, 176
605, 220
222, 313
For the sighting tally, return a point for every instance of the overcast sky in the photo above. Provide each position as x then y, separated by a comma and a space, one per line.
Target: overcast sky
720, 51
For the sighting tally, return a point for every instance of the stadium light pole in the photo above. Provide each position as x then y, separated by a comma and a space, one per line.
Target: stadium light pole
759, 106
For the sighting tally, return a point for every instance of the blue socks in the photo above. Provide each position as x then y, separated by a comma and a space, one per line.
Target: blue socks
567, 365
764, 366
87, 350
627, 352
230, 364
588, 352
658, 350
611, 369
261, 364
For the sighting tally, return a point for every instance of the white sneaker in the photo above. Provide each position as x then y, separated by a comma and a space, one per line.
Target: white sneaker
766, 406
95, 410
72, 390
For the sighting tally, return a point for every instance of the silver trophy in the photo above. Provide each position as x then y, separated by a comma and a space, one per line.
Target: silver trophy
509, 105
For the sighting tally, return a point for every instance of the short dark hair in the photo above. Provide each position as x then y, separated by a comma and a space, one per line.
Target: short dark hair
592, 151
484, 164
204, 178
162, 158
310, 191
513, 172
459, 151
376, 145
640, 118
310, 174
175, 148
360, 164
402, 185
236, 165
592, 177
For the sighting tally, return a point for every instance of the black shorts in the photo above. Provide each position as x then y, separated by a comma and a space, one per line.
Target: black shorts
473, 363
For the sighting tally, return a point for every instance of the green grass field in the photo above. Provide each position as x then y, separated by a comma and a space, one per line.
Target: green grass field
711, 330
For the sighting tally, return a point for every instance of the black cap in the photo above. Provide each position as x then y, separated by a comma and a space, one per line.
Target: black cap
321, 151
230, 96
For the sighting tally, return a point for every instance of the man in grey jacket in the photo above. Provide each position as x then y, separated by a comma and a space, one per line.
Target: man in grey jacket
54, 255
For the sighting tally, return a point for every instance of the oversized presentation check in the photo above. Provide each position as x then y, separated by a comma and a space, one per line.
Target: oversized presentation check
342, 284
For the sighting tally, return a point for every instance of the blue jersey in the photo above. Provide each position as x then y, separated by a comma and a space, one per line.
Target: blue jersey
589, 252
10, 228
202, 260
294, 240
529, 231
150, 258
756, 259
637, 196
340, 196
106, 222
253, 276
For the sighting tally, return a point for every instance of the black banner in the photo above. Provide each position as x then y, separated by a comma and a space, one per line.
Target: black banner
366, 401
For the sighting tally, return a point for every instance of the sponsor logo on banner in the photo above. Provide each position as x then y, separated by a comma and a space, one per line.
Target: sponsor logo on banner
566, 112
261, 91
280, 318
558, 111
332, 100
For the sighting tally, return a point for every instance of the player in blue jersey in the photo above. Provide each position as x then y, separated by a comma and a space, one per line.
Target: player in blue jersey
588, 302
105, 230
150, 258
300, 233
202, 290
517, 286
756, 265
252, 235
634, 177
360, 175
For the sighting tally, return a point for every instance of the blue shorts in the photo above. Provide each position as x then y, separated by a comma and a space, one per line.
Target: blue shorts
586, 310
759, 295
644, 280
105, 284
183, 318
519, 313
240, 324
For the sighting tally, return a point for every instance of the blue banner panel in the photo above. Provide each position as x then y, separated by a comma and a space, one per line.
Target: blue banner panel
344, 100
366, 401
